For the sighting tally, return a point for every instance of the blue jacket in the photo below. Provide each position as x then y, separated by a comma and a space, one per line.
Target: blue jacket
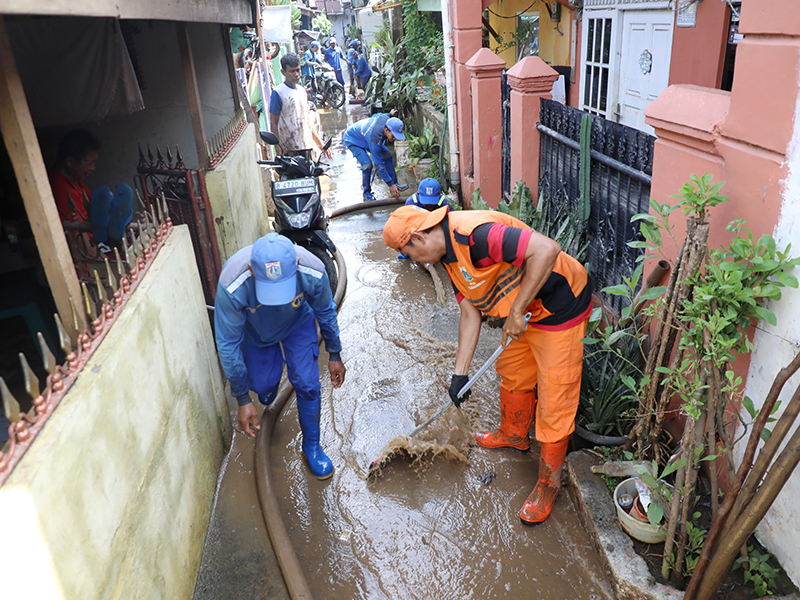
333, 57
309, 60
362, 67
368, 134
240, 319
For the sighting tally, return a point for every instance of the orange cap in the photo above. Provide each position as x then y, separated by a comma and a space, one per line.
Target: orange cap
407, 220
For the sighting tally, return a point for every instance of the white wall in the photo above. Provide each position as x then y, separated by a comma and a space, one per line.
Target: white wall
113, 498
775, 347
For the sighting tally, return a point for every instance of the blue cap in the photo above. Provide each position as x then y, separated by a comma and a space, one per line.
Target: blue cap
395, 125
353, 43
429, 191
274, 264
315, 43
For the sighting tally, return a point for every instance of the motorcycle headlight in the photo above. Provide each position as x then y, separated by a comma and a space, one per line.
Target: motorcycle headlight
299, 220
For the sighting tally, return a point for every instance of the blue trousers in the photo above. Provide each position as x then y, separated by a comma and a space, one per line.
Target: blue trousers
301, 351
365, 161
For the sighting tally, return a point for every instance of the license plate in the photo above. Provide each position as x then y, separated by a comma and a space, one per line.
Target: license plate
293, 187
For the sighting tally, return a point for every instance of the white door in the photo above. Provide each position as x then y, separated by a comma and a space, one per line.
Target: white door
600, 58
644, 63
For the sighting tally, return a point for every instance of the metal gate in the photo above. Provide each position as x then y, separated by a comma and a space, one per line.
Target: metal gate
187, 198
505, 96
621, 168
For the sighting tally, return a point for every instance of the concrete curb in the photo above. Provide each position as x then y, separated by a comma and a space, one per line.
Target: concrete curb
626, 571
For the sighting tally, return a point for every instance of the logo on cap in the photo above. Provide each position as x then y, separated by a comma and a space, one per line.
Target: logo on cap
273, 269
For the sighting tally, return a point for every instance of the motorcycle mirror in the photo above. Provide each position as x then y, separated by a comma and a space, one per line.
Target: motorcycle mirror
270, 138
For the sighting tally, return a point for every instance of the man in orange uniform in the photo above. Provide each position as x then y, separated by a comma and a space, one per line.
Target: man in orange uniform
505, 269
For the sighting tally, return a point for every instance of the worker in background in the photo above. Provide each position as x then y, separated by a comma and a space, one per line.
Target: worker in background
270, 297
334, 57
366, 140
362, 71
428, 196
310, 63
500, 267
352, 55
288, 112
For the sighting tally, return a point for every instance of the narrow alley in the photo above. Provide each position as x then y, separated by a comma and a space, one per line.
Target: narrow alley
441, 528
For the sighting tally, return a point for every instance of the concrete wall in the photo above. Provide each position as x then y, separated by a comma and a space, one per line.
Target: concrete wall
165, 119
698, 52
776, 347
236, 193
114, 496
749, 138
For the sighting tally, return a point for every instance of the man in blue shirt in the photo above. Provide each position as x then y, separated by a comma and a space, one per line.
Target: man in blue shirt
362, 71
352, 57
269, 296
334, 56
366, 140
310, 64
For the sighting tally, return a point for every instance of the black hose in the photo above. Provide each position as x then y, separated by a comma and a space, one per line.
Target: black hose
278, 534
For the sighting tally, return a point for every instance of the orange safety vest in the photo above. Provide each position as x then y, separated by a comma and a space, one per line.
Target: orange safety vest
492, 290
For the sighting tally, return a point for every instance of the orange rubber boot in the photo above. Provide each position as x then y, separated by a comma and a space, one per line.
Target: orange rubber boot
516, 417
540, 503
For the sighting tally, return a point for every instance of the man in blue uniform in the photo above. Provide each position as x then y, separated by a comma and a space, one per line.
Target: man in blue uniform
366, 140
310, 64
362, 71
268, 298
428, 196
334, 56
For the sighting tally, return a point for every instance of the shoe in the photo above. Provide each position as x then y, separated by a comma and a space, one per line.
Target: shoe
402, 188
369, 197
319, 464
516, 418
540, 503
401, 256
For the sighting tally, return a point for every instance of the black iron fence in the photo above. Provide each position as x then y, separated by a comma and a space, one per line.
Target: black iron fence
505, 95
621, 167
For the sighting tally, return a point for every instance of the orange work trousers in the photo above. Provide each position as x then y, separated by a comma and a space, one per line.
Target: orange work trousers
553, 360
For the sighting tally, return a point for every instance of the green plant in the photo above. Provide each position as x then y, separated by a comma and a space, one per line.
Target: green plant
758, 570
354, 32
322, 23
701, 328
423, 146
613, 361
694, 543
423, 37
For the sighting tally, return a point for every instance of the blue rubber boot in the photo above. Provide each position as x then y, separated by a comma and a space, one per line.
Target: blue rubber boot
400, 186
366, 184
100, 212
121, 212
308, 415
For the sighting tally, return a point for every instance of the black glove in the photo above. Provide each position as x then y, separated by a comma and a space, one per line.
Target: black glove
456, 383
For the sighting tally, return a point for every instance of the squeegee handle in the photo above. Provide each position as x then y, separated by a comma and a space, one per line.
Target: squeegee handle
467, 385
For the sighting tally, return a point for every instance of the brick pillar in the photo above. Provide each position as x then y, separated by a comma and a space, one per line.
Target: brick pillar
485, 69
531, 79
467, 40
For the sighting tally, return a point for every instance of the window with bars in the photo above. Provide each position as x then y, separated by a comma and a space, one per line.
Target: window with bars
596, 65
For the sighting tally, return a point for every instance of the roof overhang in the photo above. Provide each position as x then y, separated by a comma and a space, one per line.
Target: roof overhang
235, 12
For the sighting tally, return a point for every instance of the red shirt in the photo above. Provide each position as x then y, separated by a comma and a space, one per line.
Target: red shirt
65, 189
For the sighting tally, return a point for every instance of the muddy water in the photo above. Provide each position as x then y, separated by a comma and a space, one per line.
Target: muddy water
437, 522
427, 527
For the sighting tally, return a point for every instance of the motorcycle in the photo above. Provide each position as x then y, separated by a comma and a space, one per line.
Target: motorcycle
252, 51
298, 208
329, 90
